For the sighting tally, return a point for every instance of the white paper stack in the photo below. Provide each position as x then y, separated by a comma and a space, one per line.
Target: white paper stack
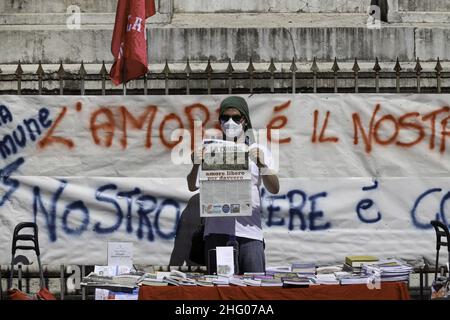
389, 270
326, 279
236, 281
253, 282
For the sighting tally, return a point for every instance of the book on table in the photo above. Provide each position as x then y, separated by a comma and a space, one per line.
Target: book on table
152, 282
252, 282
326, 279
236, 281
285, 275
271, 282
358, 261
351, 278
389, 270
354, 280
299, 281
304, 268
351, 269
221, 280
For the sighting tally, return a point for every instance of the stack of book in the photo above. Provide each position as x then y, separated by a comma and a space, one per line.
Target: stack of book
252, 282
280, 272
176, 278
304, 269
354, 263
389, 270
328, 269
105, 282
325, 278
296, 282
205, 282
93, 278
271, 282
152, 282
354, 279
128, 279
361, 270
237, 281
221, 281
345, 277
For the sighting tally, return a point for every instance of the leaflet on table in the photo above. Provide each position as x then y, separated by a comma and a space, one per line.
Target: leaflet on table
120, 253
225, 180
225, 261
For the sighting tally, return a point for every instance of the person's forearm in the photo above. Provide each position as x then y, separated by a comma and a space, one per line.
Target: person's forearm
271, 182
192, 178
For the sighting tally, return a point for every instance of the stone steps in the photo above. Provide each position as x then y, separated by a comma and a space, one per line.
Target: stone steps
165, 18
424, 5
260, 6
236, 36
59, 19
60, 6
190, 6
208, 6
301, 6
43, 12
424, 17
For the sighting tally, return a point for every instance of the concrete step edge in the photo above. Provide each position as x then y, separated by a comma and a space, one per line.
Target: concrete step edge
31, 19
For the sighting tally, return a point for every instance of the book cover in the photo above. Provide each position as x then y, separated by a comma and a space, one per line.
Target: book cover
356, 261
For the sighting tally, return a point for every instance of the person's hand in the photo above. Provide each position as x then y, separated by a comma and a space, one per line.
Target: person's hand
257, 156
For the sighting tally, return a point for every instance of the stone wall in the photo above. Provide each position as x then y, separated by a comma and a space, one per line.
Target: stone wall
210, 6
343, 6
33, 30
59, 6
424, 5
217, 6
46, 12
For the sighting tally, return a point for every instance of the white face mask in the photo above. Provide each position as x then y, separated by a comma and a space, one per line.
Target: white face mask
232, 129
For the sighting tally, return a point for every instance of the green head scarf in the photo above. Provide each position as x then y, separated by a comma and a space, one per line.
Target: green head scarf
238, 103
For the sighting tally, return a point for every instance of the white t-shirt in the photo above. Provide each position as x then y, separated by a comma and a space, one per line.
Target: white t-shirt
248, 226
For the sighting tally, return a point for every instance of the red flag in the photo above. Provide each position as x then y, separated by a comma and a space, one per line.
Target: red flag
129, 42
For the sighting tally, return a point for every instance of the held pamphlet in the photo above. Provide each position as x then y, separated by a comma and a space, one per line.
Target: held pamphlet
225, 180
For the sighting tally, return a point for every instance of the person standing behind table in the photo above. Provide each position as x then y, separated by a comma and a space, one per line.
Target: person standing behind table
247, 231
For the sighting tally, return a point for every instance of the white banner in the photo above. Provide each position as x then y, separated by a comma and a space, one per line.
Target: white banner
359, 174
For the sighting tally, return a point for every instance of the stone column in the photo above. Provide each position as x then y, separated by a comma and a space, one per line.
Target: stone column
393, 14
165, 6
164, 11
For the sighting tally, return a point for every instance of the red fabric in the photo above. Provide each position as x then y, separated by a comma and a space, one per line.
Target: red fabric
388, 291
16, 294
44, 294
129, 45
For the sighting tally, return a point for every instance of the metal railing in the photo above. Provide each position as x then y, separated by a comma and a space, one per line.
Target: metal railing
227, 81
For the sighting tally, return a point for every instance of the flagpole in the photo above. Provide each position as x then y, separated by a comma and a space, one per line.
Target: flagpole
124, 78
146, 49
